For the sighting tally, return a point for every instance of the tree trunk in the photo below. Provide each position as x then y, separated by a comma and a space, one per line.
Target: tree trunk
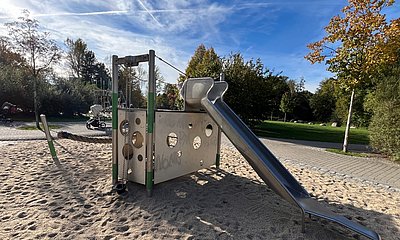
284, 118
35, 103
346, 134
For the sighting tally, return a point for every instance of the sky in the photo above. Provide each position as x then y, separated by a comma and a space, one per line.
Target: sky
275, 31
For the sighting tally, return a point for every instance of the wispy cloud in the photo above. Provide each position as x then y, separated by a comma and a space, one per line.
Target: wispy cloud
173, 28
269, 30
61, 14
151, 15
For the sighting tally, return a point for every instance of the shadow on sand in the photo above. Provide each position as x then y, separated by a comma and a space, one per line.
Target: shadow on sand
209, 204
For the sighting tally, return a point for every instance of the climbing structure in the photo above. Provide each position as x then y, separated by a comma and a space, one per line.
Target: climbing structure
151, 146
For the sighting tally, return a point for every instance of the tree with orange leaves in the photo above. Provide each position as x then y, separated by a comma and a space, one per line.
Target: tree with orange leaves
357, 43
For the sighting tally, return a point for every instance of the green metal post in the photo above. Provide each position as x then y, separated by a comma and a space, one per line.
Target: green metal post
150, 124
49, 138
114, 119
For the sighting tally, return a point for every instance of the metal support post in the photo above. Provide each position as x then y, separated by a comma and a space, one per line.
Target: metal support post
218, 157
150, 124
114, 119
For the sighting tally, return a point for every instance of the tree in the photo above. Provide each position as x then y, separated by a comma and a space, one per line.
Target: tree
384, 102
129, 84
324, 100
254, 91
355, 44
75, 55
36, 47
15, 83
302, 109
277, 87
169, 98
69, 97
88, 68
249, 85
160, 82
101, 76
8, 56
287, 104
84, 65
204, 63
296, 101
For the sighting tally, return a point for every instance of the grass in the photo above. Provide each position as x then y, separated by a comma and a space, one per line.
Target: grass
354, 154
33, 127
301, 131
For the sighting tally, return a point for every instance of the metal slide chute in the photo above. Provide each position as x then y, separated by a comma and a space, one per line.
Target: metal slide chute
208, 94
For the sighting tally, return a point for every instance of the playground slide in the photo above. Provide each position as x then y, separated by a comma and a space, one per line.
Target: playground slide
267, 166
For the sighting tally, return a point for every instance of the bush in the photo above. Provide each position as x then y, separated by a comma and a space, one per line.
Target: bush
385, 129
67, 97
384, 102
16, 87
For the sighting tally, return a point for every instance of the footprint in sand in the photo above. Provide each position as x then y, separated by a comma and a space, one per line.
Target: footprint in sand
123, 228
22, 214
32, 228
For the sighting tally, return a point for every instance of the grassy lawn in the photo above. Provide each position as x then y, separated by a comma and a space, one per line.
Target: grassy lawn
302, 131
354, 154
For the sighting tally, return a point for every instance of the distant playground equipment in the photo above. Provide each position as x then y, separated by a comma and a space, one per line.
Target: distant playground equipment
150, 146
6, 111
95, 120
103, 97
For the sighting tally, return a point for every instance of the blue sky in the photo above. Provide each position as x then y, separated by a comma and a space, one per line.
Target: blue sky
276, 31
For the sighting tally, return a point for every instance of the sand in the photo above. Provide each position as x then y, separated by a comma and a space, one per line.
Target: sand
71, 199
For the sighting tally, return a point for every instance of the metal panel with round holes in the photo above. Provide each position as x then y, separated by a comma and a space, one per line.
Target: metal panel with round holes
183, 144
132, 145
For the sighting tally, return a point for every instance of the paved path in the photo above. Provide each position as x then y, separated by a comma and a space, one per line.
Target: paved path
11, 133
374, 170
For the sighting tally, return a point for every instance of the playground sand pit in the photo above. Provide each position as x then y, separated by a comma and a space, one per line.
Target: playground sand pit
71, 199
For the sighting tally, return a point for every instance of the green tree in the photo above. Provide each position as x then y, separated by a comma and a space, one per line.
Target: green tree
302, 109
101, 76
69, 97
37, 48
204, 63
15, 86
324, 100
287, 104
88, 68
249, 84
129, 84
160, 81
277, 87
169, 99
84, 65
254, 91
355, 44
75, 55
384, 102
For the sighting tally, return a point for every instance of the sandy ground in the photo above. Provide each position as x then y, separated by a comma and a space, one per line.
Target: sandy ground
72, 200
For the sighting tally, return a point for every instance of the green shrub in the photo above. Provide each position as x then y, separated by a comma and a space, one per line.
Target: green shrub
384, 102
385, 129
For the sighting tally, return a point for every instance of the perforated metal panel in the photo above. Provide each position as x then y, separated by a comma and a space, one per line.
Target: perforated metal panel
179, 156
132, 145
